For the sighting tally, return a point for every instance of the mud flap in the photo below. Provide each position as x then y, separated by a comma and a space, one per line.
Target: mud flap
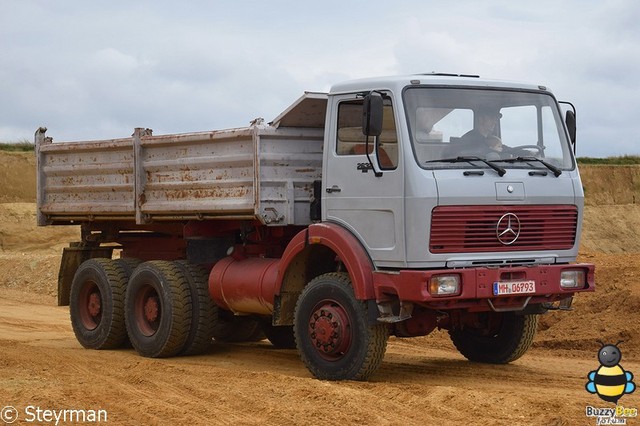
72, 257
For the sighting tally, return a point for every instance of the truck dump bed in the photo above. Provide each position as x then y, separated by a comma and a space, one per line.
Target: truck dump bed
263, 172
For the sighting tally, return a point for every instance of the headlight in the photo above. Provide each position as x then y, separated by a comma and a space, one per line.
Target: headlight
444, 285
572, 279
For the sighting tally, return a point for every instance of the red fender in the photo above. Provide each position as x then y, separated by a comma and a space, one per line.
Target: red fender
347, 248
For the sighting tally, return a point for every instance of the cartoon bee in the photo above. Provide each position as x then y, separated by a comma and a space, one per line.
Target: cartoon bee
610, 381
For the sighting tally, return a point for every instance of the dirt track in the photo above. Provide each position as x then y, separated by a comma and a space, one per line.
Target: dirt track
421, 381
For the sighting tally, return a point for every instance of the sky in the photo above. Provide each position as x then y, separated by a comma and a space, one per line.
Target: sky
98, 69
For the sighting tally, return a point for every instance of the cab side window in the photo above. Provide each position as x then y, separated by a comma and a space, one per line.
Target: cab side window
351, 141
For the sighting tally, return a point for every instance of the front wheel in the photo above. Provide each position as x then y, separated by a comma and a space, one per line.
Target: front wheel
502, 337
332, 332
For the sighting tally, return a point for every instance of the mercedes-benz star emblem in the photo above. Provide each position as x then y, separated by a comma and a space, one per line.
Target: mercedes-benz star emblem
508, 229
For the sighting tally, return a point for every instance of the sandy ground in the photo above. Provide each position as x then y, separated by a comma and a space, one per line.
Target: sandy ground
421, 381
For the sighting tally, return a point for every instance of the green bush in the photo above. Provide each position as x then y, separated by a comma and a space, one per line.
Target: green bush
20, 146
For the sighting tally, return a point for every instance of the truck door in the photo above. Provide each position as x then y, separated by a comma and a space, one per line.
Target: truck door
371, 207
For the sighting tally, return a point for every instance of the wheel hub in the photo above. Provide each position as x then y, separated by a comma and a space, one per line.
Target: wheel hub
90, 305
148, 310
151, 309
330, 330
94, 305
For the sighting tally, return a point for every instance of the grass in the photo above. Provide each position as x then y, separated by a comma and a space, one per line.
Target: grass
624, 160
21, 146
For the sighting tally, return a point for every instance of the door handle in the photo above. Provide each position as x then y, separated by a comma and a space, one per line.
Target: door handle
334, 188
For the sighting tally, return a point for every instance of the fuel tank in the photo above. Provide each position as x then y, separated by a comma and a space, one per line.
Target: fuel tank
244, 285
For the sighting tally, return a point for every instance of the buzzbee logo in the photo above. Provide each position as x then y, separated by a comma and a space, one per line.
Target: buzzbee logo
610, 381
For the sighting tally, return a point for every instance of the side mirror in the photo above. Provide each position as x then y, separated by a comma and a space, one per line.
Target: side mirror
570, 120
372, 110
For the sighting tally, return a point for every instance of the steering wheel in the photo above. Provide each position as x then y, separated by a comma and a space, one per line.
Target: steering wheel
526, 149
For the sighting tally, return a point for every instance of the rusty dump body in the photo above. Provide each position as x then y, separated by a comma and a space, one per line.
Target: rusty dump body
325, 230
259, 172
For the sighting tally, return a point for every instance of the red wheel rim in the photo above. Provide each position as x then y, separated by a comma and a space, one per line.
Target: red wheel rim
90, 305
330, 330
148, 310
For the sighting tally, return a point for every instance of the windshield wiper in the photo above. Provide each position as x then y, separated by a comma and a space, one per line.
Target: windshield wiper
556, 171
470, 160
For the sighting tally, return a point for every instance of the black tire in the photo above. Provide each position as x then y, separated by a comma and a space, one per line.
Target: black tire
203, 310
507, 340
230, 328
280, 336
332, 332
97, 304
128, 264
158, 309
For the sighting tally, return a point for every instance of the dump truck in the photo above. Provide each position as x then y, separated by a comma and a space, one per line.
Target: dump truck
388, 206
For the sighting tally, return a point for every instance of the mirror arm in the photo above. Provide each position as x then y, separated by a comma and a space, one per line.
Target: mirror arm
376, 172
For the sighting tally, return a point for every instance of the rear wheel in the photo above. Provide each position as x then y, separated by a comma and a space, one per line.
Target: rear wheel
158, 309
97, 304
499, 338
128, 264
332, 332
202, 309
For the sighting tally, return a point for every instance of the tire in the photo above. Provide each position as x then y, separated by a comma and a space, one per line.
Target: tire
158, 309
230, 328
203, 310
355, 349
509, 340
280, 336
97, 304
128, 264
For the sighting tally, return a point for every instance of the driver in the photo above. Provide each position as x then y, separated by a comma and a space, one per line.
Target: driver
485, 124
494, 143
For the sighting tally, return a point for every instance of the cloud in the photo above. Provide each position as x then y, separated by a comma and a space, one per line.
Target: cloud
97, 71
585, 54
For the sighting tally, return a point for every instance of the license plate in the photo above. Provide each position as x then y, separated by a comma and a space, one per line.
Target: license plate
513, 287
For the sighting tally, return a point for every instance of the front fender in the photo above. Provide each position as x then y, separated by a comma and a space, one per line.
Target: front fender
347, 249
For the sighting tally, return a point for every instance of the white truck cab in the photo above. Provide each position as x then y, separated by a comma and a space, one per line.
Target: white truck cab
438, 195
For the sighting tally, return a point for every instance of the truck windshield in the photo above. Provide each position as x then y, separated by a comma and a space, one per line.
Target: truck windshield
513, 129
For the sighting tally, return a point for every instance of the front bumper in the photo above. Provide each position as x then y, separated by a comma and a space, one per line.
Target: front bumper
476, 286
